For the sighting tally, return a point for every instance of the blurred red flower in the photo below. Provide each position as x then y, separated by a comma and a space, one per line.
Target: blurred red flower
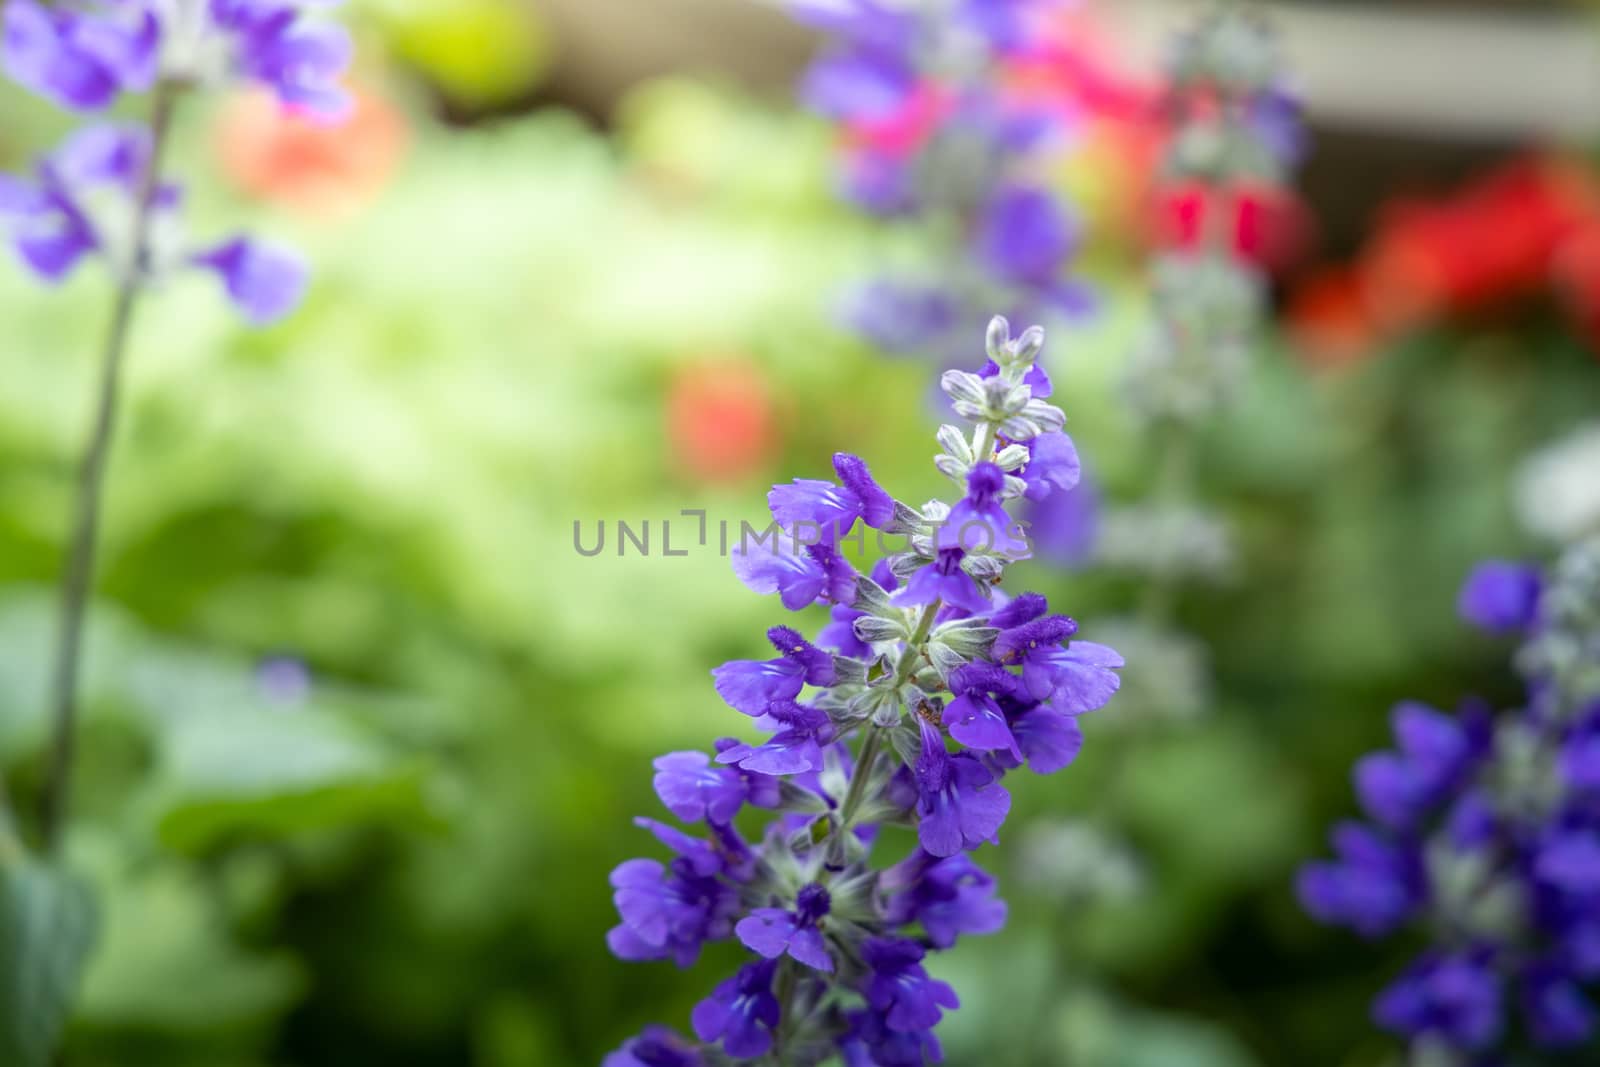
1261, 224
720, 421
318, 168
1524, 229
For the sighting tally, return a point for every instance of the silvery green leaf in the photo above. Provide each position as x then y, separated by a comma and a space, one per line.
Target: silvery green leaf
1027, 347
935, 511
984, 568
874, 630
997, 340
1020, 428
871, 599
970, 410
968, 637
1010, 458
952, 468
945, 659
906, 520
889, 710
906, 740
48, 925
1047, 415
905, 565
955, 443
849, 671
963, 387
1014, 487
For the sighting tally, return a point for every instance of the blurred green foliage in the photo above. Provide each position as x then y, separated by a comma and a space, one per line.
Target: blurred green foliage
407, 862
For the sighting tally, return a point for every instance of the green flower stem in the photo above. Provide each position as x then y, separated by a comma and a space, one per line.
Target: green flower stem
872, 746
77, 578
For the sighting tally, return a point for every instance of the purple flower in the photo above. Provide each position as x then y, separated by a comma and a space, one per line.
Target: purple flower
795, 748
1453, 998
974, 717
900, 989
1037, 379
771, 932
1076, 679
946, 581
741, 1012
751, 685
668, 913
1053, 466
1557, 1011
1049, 740
1031, 639
1501, 597
1569, 861
264, 283
1024, 236
832, 510
800, 578
694, 790
1372, 887
899, 317
300, 62
657, 1046
948, 897
80, 59
959, 803
978, 522
870, 1043
1399, 788
50, 221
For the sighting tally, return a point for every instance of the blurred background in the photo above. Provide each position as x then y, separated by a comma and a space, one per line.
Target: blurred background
366, 734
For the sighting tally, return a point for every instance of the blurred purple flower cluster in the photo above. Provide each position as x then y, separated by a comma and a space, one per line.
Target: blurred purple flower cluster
926, 688
100, 193
932, 130
1484, 831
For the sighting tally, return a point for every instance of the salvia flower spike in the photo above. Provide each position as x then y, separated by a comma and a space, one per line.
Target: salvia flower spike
925, 690
1483, 831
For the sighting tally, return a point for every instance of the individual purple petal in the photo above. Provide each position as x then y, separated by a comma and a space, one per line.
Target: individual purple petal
694, 790
1024, 235
1456, 998
264, 283
1020, 609
1501, 597
1075, 679
1053, 466
1558, 1013
750, 685
875, 506
944, 580
766, 931
741, 1012
656, 1046
1570, 861
815, 510
1049, 741
901, 989
1372, 888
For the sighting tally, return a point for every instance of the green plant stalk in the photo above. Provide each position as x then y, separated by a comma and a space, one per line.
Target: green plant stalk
77, 579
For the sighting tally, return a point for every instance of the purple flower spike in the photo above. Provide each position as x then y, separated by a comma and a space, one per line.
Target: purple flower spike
901, 989
959, 805
1501, 597
264, 283
741, 1013
657, 1046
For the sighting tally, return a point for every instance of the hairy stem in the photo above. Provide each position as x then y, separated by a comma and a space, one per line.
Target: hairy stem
872, 745
77, 577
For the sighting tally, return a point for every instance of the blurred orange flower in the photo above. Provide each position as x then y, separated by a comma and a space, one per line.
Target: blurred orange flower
317, 168
720, 421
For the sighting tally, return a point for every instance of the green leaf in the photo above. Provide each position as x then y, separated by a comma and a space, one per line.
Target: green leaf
47, 927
